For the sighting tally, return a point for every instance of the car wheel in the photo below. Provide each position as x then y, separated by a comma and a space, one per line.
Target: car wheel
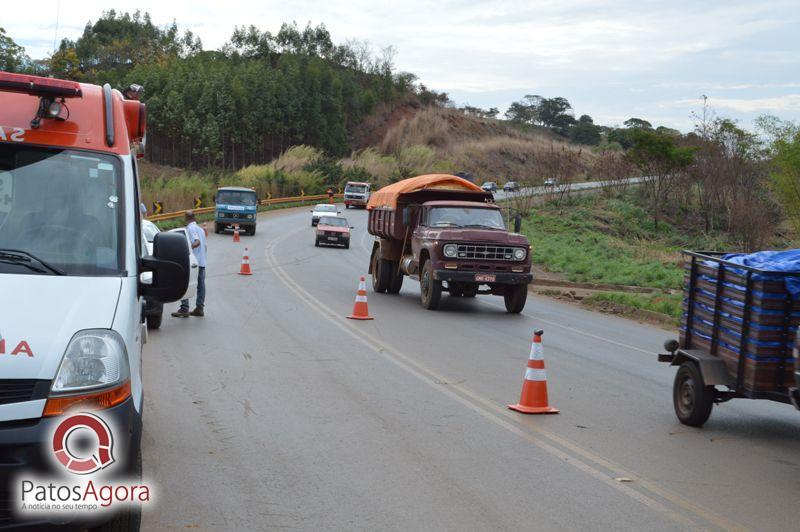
316, 242
154, 320
515, 298
347, 245
430, 289
381, 270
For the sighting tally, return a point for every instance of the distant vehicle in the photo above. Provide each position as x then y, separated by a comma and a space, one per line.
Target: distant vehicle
511, 186
322, 209
443, 231
356, 194
235, 206
153, 309
465, 175
489, 186
550, 182
333, 230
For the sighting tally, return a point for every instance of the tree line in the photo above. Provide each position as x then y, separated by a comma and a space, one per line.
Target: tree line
243, 104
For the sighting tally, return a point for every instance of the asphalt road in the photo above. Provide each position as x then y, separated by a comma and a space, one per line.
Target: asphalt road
276, 412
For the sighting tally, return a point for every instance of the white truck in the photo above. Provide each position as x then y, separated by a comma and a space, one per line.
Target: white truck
356, 194
72, 264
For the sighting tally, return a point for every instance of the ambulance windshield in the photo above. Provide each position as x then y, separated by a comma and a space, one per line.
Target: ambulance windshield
62, 208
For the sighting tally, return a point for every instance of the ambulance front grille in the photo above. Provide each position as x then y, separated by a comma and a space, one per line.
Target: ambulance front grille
21, 390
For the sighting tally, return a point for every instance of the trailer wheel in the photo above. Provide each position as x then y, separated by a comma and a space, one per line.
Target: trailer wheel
430, 289
691, 397
381, 271
515, 297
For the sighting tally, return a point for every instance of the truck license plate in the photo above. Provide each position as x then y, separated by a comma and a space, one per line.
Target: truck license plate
485, 278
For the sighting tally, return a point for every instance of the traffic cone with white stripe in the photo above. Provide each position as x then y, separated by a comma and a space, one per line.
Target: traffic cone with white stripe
245, 269
360, 309
533, 399
236, 233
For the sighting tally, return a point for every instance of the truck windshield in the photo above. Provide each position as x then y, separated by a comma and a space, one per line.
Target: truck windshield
62, 209
234, 197
465, 217
355, 189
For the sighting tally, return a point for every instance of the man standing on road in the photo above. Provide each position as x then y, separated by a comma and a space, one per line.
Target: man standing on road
198, 239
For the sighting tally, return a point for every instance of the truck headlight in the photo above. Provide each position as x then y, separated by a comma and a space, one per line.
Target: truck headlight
249, 216
519, 254
450, 250
95, 358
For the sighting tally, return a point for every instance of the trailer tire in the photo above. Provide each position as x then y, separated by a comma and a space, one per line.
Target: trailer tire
691, 397
515, 297
381, 272
429, 288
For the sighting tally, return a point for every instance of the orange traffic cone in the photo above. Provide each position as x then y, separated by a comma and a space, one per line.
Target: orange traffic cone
245, 269
360, 309
236, 233
533, 399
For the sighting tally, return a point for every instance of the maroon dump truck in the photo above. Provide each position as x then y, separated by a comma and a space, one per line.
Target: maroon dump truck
449, 235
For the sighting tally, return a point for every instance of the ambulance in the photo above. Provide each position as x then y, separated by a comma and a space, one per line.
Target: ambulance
74, 272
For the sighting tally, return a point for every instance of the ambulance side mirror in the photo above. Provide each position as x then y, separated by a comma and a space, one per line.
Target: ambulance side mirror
170, 267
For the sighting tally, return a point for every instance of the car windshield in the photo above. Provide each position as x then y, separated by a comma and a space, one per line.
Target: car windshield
356, 189
150, 230
331, 220
465, 217
62, 209
236, 197
325, 208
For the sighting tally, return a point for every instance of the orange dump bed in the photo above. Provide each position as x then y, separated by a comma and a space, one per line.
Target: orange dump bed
386, 198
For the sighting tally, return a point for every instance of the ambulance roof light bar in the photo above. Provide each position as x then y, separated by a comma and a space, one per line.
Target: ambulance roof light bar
39, 86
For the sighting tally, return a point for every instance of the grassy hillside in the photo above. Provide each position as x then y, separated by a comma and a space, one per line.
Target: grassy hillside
596, 239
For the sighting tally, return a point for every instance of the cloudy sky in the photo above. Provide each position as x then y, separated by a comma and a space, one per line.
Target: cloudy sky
611, 59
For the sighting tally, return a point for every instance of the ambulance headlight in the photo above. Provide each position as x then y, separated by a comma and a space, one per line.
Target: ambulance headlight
95, 358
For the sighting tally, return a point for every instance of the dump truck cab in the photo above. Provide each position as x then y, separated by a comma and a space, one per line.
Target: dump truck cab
235, 206
448, 234
73, 264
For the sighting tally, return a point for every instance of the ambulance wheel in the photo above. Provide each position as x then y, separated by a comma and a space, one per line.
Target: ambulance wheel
691, 397
130, 519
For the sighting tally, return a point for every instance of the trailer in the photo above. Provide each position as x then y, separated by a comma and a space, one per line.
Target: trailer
737, 336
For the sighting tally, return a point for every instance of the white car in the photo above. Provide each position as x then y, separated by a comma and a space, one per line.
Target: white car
153, 310
550, 182
323, 209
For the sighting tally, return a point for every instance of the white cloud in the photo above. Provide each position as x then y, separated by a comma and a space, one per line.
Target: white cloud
787, 102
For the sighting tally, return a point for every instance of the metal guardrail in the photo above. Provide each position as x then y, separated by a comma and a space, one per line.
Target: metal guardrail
272, 201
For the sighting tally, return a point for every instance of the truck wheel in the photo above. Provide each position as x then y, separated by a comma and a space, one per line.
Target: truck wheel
252, 230
515, 298
395, 281
154, 320
217, 228
692, 399
430, 289
381, 272
470, 290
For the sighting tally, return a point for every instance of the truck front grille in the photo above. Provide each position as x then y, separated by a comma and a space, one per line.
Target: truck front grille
485, 252
20, 390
